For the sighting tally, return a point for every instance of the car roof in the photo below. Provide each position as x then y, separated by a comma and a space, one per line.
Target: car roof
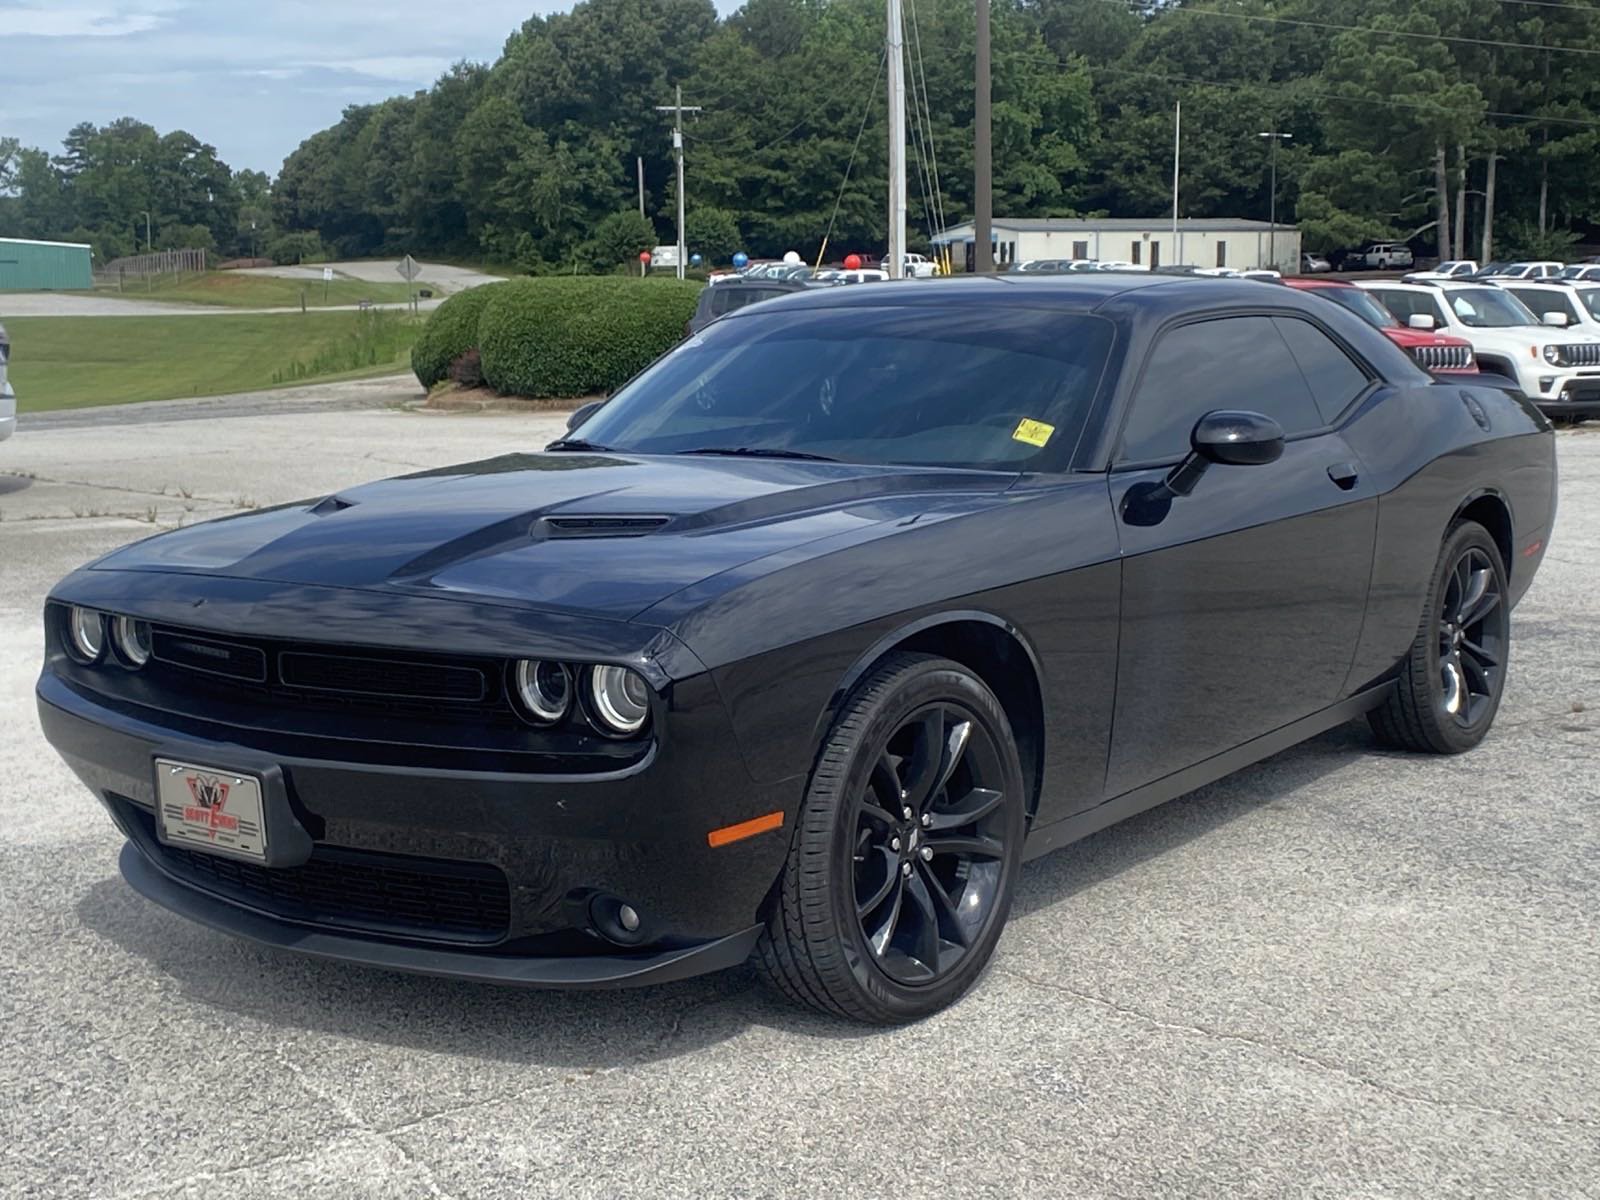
1167, 295
1313, 284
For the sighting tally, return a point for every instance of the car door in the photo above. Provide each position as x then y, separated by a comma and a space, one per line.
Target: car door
1241, 602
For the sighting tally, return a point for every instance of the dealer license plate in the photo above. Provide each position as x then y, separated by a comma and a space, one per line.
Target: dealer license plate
206, 808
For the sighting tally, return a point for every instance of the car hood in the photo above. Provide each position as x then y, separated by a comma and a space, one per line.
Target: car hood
610, 534
1404, 335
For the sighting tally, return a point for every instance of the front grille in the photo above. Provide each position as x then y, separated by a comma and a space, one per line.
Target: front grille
381, 677
1443, 358
357, 889
233, 660
1581, 354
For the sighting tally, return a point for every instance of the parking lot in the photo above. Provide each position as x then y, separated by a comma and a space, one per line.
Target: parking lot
1340, 973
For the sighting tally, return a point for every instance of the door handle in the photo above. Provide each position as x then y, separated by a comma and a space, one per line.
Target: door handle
1344, 474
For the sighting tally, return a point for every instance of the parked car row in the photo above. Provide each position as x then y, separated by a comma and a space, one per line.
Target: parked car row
8, 399
1551, 350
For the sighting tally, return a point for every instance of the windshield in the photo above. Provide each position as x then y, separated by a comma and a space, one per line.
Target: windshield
999, 389
1360, 303
1488, 308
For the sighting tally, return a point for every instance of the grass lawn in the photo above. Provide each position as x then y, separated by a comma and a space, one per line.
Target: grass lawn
229, 289
73, 362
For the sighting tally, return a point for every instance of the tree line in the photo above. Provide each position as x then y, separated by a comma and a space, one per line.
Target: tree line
1424, 120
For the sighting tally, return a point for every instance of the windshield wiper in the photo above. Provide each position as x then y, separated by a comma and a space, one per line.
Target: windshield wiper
759, 452
576, 444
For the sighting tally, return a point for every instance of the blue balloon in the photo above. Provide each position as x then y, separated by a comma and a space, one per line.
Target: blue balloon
741, 259
694, 260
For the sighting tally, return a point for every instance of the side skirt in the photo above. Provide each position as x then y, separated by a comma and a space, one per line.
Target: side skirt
1063, 833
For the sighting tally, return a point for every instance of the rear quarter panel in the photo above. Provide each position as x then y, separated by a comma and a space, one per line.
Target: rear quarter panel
1429, 458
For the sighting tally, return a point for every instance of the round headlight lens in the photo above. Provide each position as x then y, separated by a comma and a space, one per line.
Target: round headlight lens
86, 630
1552, 355
621, 699
545, 689
133, 640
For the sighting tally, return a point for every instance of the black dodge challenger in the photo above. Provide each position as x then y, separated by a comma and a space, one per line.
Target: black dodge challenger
797, 648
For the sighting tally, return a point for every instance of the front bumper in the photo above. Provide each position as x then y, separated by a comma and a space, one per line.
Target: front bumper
8, 412
552, 842
1577, 397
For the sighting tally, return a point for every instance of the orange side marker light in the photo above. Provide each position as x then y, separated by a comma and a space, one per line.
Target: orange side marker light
744, 829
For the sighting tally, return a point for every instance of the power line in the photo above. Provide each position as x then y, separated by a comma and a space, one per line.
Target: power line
1402, 33
1297, 95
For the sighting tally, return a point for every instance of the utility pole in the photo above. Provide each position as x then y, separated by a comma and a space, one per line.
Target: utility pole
640, 160
897, 143
1177, 146
1273, 204
982, 153
678, 109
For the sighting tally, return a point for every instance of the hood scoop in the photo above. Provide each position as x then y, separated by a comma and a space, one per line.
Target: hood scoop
595, 526
331, 504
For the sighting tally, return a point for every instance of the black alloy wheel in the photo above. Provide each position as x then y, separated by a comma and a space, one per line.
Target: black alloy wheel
1472, 638
1450, 686
930, 843
906, 850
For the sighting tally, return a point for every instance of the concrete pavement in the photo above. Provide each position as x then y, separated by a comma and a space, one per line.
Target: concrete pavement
1340, 973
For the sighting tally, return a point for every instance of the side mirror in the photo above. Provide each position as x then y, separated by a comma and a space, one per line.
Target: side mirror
1234, 439
1555, 318
582, 413
1420, 321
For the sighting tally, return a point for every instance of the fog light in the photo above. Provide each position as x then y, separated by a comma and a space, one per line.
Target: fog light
1546, 382
86, 634
615, 920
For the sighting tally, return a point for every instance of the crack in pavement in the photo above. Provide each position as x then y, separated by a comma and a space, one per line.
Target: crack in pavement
1556, 1121
132, 491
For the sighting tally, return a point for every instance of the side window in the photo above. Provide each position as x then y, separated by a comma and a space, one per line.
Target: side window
1133, 253
722, 299
1333, 378
1231, 362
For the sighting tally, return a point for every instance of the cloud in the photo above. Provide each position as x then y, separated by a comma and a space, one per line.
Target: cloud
55, 19
408, 68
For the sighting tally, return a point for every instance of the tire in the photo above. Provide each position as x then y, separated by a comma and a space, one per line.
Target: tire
848, 923
1450, 685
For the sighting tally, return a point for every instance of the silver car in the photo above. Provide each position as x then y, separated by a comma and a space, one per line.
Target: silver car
8, 400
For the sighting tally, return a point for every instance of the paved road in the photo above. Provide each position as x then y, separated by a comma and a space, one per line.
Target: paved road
442, 278
1340, 973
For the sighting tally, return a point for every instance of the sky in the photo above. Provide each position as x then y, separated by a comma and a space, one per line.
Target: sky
252, 77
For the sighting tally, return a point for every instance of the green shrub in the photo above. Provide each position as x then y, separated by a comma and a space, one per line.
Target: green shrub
567, 336
451, 331
291, 248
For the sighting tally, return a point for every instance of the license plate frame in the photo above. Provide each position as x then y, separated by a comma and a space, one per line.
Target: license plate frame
215, 810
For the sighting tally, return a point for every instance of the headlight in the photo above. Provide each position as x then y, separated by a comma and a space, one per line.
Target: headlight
86, 634
545, 689
1553, 356
133, 640
620, 699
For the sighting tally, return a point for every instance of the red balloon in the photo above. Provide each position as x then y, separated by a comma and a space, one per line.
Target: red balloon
852, 262
644, 256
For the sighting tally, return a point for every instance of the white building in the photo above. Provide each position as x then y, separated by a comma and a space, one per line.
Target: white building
1200, 241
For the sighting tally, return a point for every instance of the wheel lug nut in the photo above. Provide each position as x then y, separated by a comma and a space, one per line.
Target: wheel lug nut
906, 812
927, 853
927, 820
905, 868
894, 843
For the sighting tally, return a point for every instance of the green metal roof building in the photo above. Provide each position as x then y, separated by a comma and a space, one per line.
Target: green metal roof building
28, 266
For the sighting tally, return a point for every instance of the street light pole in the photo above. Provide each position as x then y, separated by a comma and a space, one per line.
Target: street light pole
1276, 137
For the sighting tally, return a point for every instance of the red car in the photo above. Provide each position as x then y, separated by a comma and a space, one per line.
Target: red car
1432, 351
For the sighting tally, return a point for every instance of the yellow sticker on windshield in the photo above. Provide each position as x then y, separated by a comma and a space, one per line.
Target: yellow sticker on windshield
1035, 433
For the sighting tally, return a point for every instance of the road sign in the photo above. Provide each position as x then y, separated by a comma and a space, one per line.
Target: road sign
327, 274
408, 268
664, 256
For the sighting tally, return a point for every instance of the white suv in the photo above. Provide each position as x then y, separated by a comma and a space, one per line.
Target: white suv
1383, 255
8, 400
1523, 270
1574, 306
1557, 368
